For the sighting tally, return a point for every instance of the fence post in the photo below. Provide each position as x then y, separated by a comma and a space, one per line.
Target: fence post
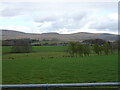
118, 87
46, 88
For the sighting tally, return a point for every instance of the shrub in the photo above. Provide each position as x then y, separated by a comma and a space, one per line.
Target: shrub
21, 46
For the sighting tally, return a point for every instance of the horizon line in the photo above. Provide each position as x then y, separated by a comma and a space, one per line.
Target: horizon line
58, 33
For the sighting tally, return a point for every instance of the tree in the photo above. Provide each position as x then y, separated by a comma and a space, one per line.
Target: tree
86, 50
106, 48
76, 48
94, 41
97, 49
72, 48
80, 49
21, 46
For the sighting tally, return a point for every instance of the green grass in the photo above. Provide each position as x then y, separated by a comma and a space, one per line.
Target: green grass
54, 67
8, 49
49, 48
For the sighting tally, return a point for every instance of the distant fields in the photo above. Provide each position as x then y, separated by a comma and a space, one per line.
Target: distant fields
50, 64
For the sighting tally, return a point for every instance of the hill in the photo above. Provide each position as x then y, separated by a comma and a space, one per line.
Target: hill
11, 34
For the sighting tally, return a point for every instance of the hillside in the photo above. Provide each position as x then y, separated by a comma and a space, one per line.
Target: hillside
11, 34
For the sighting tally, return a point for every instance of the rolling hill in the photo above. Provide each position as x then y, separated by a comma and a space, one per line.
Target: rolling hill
11, 34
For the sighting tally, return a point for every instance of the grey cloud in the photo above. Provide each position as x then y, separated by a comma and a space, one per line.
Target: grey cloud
18, 8
45, 19
110, 25
61, 15
10, 12
68, 21
11, 9
77, 21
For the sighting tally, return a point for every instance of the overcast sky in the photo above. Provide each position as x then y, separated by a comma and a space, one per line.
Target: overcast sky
61, 17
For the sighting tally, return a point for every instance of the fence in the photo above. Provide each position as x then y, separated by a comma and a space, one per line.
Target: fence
47, 86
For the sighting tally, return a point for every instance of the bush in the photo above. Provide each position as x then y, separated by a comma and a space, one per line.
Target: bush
21, 46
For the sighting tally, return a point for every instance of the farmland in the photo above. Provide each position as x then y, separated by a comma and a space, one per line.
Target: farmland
51, 64
7, 49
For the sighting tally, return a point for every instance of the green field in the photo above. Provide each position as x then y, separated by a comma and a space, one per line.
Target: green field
50, 64
7, 49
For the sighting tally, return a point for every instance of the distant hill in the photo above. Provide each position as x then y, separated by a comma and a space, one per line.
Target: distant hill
11, 34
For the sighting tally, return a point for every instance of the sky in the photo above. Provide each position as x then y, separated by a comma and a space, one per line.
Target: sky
64, 17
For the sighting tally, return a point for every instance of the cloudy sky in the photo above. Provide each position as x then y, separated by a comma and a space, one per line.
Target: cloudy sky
61, 17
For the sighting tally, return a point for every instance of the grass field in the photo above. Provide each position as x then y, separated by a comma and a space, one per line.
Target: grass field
49, 48
51, 65
7, 49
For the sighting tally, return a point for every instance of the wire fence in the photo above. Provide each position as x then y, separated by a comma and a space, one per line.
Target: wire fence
47, 86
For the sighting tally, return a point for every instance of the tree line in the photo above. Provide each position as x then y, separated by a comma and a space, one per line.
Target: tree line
84, 48
79, 49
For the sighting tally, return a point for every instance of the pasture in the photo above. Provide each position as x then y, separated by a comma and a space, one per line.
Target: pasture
50, 64
7, 49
